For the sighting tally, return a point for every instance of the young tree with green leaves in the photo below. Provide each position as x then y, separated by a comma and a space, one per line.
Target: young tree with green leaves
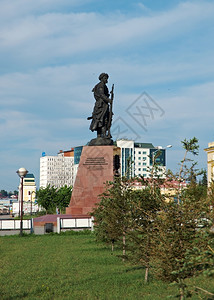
183, 231
176, 238
51, 198
178, 227
145, 205
63, 197
112, 215
190, 146
46, 197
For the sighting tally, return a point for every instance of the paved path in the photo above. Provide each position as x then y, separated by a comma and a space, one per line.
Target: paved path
3, 217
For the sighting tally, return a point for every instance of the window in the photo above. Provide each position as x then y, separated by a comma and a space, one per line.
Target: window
144, 169
139, 152
139, 164
139, 157
139, 169
144, 158
144, 164
144, 152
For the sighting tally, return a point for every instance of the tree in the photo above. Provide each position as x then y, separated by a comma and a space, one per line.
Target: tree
63, 197
3, 193
145, 205
177, 229
176, 238
46, 197
15, 193
183, 236
50, 198
203, 181
189, 146
112, 214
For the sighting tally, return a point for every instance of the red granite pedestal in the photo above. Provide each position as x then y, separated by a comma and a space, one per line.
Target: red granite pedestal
95, 168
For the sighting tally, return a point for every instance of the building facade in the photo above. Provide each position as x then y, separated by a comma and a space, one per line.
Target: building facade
138, 159
29, 196
57, 170
210, 162
29, 188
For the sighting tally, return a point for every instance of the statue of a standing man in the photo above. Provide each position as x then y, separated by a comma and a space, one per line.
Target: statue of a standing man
102, 113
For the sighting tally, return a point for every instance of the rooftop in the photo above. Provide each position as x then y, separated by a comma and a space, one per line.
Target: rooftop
144, 145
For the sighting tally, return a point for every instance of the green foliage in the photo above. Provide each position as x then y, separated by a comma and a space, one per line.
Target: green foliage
145, 205
180, 227
46, 198
63, 197
51, 198
191, 145
175, 239
203, 180
3, 193
113, 214
15, 193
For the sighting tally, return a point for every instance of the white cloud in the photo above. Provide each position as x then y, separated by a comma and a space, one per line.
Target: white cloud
51, 58
14, 9
55, 34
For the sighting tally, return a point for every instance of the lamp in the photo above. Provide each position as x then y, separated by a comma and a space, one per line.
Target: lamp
22, 172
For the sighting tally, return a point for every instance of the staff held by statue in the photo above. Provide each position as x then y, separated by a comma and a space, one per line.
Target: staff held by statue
110, 111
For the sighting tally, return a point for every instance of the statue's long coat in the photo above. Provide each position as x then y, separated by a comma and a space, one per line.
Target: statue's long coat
100, 113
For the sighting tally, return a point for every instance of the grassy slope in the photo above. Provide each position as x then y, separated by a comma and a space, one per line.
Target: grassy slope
71, 267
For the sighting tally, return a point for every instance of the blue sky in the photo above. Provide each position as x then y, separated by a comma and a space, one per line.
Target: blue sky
157, 53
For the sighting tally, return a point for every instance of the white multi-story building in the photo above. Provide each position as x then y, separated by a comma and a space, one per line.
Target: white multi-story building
57, 170
138, 158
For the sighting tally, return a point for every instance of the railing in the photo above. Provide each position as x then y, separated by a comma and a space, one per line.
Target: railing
74, 223
14, 224
63, 224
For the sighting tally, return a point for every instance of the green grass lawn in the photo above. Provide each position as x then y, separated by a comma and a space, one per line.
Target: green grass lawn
73, 267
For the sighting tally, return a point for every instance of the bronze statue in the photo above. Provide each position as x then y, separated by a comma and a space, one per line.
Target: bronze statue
102, 113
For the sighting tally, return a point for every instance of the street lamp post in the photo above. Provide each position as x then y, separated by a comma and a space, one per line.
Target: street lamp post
22, 172
31, 202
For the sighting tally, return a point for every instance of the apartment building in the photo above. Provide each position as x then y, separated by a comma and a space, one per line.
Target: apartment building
57, 170
135, 158
138, 158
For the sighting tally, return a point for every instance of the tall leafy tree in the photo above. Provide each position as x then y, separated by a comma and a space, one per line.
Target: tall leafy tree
51, 198
46, 197
63, 197
3, 193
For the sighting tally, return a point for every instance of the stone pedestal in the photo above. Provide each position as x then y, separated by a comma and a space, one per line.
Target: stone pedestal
95, 168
